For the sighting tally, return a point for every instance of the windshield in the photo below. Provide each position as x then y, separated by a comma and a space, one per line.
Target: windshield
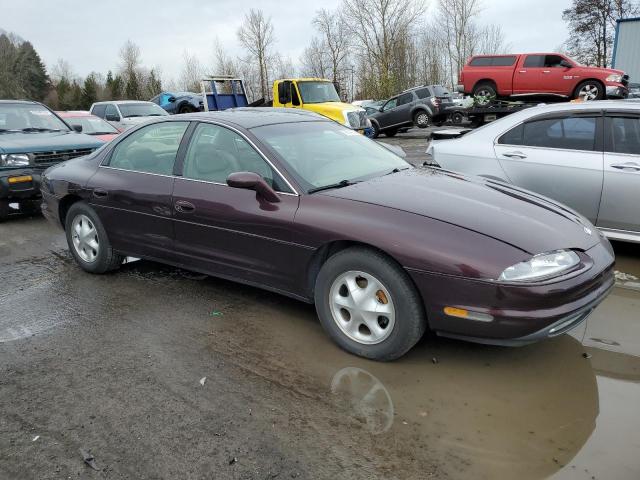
28, 117
141, 110
92, 125
324, 153
318, 92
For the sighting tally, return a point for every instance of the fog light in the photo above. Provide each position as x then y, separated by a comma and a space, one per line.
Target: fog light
21, 179
468, 314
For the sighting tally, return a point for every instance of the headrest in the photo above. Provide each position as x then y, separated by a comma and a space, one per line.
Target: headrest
209, 159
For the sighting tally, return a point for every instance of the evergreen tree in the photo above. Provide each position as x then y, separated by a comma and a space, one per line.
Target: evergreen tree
116, 88
9, 86
30, 73
89, 91
132, 89
154, 84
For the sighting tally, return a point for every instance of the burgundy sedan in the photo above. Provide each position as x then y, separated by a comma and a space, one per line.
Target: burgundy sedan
297, 204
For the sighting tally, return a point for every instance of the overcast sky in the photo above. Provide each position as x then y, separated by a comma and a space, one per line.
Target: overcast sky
89, 36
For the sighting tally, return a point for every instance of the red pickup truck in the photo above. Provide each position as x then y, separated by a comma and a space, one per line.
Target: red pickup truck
539, 74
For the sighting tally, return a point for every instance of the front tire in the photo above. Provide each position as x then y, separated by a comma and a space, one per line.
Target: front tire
376, 130
391, 132
368, 304
88, 241
589, 90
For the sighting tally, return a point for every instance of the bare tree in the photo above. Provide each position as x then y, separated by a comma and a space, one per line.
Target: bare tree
223, 64
256, 35
381, 29
61, 70
490, 40
191, 73
336, 36
314, 61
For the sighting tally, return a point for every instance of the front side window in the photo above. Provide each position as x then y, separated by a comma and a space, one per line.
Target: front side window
624, 135
28, 117
111, 111
569, 133
390, 104
323, 153
92, 125
99, 110
553, 61
151, 149
216, 152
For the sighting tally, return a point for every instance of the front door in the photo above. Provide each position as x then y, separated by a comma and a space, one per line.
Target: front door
559, 157
230, 231
131, 191
620, 207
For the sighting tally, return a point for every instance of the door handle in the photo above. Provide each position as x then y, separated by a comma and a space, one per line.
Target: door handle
514, 155
546, 71
183, 206
99, 193
522, 71
627, 166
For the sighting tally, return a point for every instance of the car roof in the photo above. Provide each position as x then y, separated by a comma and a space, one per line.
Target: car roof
24, 102
120, 102
251, 117
74, 113
578, 106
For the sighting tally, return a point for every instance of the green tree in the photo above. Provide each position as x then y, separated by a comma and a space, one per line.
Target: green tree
31, 73
154, 84
9, 86
90, 91
116, 88
132, 89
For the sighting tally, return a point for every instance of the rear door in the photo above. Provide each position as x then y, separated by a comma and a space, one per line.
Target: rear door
558, 156
620, 204
131, 191
526, 78
231, 231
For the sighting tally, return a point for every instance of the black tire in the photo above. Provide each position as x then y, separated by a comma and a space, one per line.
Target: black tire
186, 109
589, 89
106, 259
391, 132
485, 89
421, 119
457, 118
410, 320
376, 130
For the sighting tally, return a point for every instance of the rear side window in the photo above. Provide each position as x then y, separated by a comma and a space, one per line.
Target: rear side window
624, 135
151, 149
98, 110
423, 93
501, 61
533, 61
569, 133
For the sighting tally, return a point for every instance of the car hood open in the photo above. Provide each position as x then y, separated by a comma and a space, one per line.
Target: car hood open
518, 217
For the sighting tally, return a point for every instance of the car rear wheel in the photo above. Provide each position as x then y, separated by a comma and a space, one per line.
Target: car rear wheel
186, 109
485, 93
368, 305
87, 240
421, 119
589, 90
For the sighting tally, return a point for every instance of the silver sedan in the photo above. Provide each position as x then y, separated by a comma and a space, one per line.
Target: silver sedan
586, 156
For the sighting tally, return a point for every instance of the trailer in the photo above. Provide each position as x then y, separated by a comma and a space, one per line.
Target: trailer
222, 92
478, 115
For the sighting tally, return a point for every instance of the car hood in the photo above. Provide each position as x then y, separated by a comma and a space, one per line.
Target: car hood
514, 216
45, 141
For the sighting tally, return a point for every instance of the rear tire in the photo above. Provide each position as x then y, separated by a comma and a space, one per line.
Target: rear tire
391, 132
88, 241
421, 119
365, 286
486, 90
186, 109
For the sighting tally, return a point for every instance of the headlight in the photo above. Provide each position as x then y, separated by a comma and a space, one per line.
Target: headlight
544, 265
14, 160
615, 77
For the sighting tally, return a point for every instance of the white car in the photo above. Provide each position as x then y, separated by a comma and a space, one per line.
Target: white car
586, 156
124, 114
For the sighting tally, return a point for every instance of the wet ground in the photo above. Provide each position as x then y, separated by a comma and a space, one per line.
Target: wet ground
165, 374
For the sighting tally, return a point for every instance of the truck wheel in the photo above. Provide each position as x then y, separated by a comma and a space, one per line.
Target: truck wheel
457, 118
391, 132
88, 240
421, 119
589, 90
485, 93
368, 304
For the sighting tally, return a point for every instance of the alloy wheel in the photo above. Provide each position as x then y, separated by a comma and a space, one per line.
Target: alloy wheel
422, 120
362, 307
589, 92
85, 238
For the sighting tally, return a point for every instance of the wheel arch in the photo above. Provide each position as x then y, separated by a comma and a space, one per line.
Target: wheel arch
485, 80
65, 204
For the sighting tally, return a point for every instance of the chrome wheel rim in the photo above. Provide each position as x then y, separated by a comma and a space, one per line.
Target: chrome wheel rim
423, 119
589, 92
84, 236
362, 307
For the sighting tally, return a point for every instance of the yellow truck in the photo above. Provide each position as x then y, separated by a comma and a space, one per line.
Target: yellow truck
319, 95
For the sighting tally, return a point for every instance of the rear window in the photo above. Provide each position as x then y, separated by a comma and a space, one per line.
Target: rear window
498, 61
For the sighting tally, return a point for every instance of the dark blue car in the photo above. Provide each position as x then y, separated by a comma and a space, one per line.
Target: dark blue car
32, 138
179, 102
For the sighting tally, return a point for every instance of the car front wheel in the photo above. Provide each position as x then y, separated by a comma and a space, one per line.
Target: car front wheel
368, 304
87, 240
589, 90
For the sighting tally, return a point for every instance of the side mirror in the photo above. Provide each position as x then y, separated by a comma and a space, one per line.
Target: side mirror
381, 109
76, 127
171, 99
253, 181
110, 117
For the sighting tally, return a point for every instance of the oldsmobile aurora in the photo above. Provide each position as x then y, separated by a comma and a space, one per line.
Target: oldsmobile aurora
296, 204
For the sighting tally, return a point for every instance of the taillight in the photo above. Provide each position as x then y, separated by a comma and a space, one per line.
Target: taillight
435, 101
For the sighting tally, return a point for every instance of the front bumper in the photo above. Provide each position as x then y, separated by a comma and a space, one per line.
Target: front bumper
22, 191
521, 314
617, 91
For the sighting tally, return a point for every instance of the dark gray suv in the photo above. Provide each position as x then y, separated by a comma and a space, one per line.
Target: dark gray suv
419, 106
